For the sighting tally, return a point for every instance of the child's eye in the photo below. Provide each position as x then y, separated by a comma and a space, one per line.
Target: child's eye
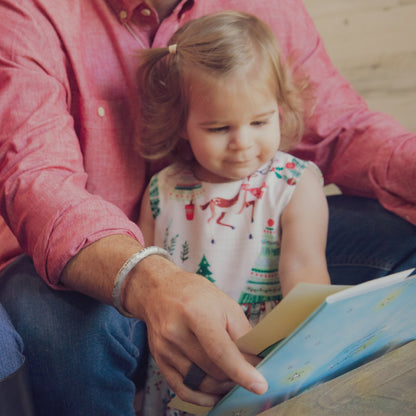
259, 123
221, 129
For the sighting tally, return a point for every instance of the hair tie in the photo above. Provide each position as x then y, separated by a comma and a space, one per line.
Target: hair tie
172, 48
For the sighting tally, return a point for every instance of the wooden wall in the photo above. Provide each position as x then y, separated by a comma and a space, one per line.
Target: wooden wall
373, 44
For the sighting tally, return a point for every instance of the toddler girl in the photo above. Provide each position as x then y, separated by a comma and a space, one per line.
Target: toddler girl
234, 206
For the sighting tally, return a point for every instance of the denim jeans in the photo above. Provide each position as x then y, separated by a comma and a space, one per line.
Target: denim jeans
11, 347
365, 241
84, 357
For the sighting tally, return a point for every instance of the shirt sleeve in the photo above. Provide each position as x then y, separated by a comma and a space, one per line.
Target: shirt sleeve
365, 153
43, 182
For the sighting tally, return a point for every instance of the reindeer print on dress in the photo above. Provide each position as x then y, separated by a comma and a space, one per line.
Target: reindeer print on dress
240, 199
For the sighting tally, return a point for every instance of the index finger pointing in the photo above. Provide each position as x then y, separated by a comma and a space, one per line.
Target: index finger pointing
224, 353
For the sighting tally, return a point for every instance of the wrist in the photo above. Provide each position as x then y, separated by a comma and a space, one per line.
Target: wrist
122, 280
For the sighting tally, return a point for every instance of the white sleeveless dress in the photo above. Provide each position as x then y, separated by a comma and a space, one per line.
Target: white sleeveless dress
226, 232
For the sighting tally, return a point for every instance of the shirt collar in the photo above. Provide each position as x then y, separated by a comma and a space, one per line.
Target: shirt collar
127, 7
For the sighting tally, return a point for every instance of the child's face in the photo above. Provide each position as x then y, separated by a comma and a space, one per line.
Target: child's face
233, 125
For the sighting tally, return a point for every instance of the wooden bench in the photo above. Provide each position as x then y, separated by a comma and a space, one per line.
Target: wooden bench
383, 387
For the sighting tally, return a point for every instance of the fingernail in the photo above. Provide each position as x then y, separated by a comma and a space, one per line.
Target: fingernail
259, 387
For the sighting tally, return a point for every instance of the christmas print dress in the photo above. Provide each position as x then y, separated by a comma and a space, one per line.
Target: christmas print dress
227, 233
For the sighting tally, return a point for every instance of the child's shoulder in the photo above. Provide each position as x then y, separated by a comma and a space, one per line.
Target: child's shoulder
174, 175
290, 168
174, 170
289, 161
286, 162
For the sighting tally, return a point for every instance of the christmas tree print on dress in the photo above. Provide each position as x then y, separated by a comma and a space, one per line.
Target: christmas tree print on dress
204, 270
185, 251
264, 284
154, 196
169, 243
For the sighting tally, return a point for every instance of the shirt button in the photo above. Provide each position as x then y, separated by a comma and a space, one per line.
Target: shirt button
101, 111
146, 12
123, 15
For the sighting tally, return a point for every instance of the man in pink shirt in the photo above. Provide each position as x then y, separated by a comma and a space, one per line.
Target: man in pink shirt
71, 184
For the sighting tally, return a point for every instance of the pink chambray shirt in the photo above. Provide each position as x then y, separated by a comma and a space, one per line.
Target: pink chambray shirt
69, 174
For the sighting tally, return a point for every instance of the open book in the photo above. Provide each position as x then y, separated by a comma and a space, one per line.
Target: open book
318, 332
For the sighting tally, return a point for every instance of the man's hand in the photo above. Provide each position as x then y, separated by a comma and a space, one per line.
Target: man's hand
190, 320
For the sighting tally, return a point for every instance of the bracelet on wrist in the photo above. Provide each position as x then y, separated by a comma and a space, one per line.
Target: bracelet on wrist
122, 274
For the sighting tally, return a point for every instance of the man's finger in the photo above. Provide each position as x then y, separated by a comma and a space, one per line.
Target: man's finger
224, 353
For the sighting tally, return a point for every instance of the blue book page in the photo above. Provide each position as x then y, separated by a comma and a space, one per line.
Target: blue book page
339, 336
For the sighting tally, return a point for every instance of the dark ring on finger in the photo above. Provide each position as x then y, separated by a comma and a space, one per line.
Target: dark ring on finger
194, 377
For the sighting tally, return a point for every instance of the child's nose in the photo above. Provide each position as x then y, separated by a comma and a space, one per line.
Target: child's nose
240, 139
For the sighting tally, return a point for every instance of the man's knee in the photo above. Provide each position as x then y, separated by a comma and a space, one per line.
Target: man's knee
365, 241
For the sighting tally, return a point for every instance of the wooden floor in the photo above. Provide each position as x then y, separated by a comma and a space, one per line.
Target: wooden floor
373, 44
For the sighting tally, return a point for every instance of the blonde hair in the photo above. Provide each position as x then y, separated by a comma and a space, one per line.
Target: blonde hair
219, 44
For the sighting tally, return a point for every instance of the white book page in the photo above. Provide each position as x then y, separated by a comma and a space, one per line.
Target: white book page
369, 286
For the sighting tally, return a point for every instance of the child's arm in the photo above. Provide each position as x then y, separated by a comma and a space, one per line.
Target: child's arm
304, 226
146, 221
